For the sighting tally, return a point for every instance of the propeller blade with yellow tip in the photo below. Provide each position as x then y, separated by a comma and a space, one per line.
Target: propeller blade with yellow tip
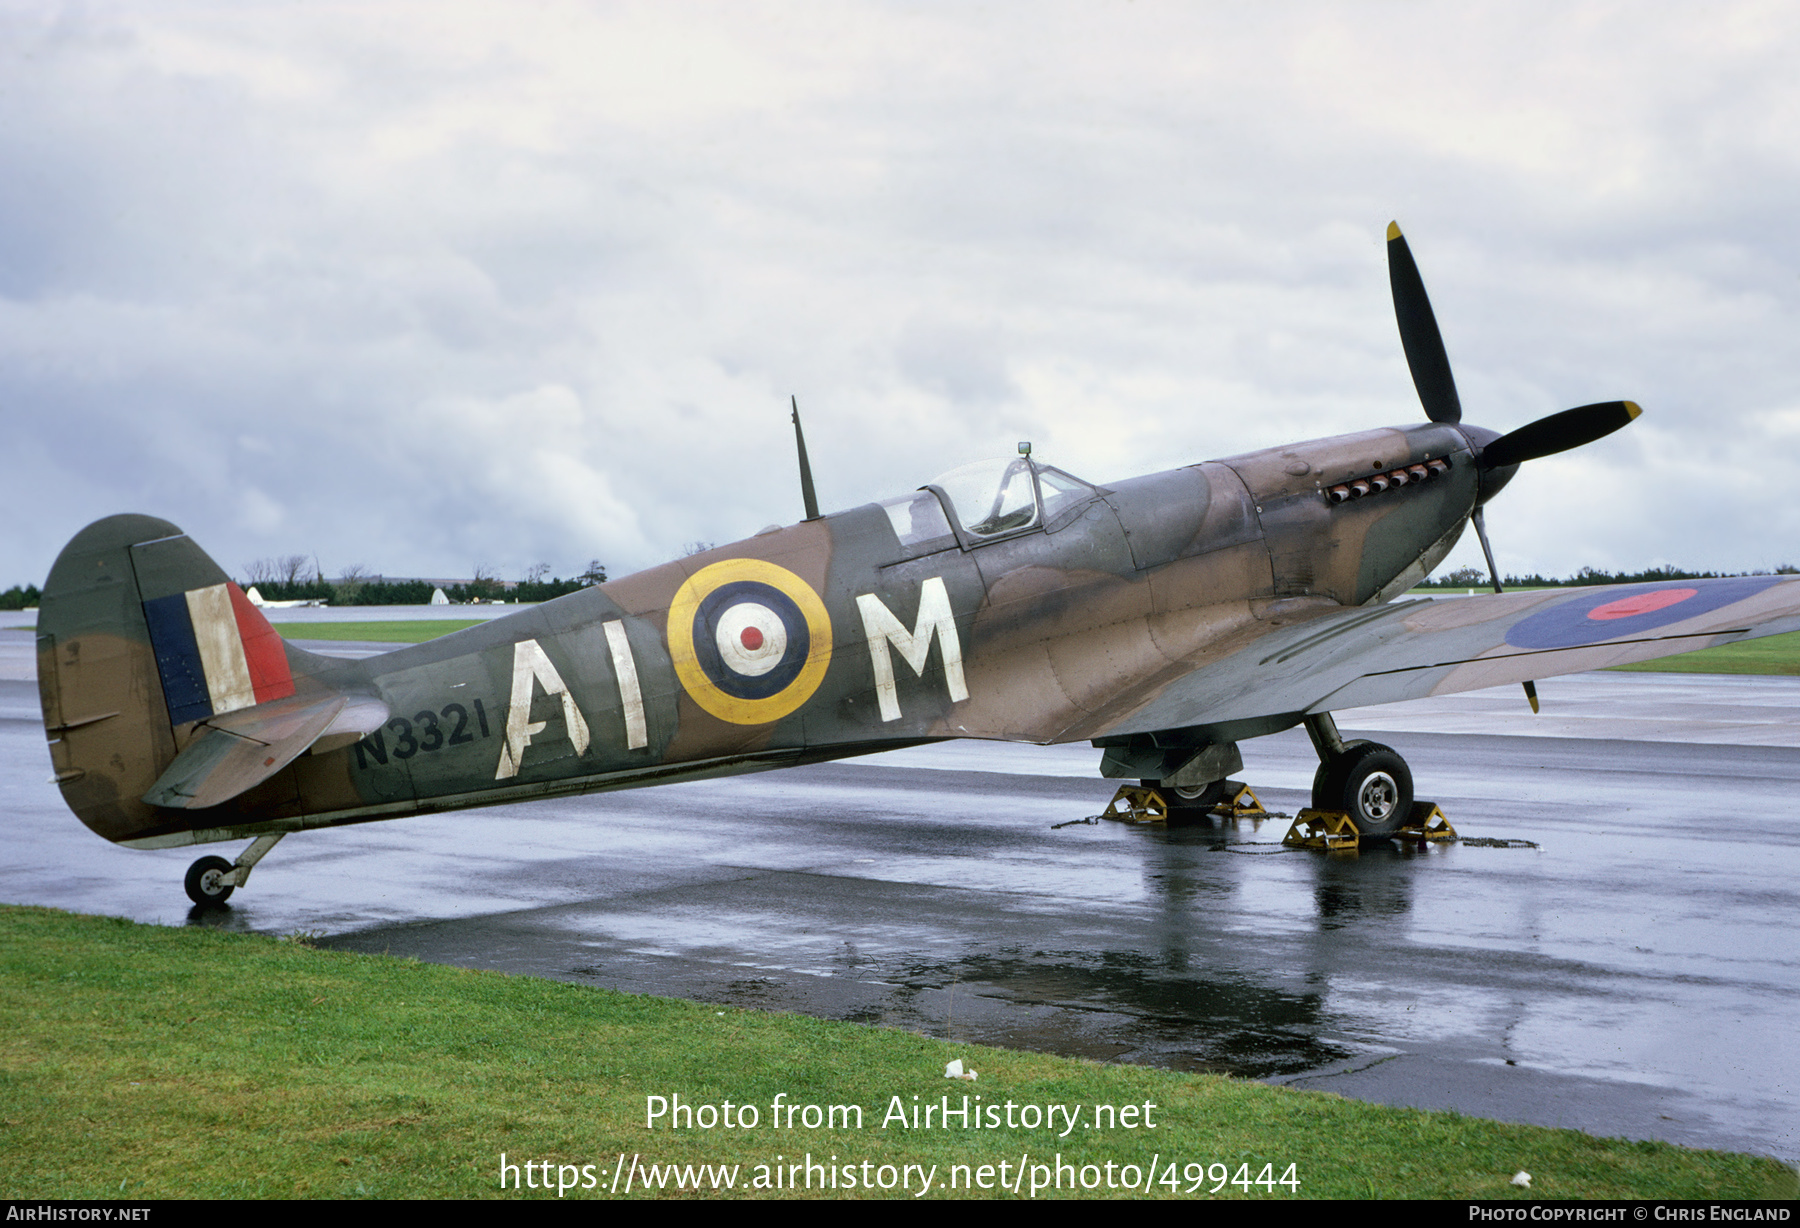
1558, 433
1419, 335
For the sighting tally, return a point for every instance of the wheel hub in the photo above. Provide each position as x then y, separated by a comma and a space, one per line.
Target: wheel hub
1377, 797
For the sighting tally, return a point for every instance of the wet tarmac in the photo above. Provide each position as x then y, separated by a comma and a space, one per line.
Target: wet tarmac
1636, 973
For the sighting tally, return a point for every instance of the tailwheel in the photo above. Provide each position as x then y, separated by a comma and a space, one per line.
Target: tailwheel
1369, 782
211, 880
205, 881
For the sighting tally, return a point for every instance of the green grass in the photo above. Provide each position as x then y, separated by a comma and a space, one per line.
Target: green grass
143, 1061
1773, 654
412, 631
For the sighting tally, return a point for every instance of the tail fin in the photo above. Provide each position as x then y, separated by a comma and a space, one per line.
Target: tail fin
145, 648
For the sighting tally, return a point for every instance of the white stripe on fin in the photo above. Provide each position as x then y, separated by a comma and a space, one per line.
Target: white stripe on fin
221, 649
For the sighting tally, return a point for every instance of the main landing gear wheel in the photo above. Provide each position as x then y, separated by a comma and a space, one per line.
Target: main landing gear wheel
203, 885
1188, 805
1369, 782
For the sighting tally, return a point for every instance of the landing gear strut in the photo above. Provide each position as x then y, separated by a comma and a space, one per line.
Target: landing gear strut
1365, 780
211, 880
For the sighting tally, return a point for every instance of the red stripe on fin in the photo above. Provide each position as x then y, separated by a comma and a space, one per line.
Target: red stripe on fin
263, 649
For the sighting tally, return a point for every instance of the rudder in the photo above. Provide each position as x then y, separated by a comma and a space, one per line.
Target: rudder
140, 635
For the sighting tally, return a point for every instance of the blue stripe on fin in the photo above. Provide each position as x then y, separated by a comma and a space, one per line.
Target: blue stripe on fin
178, 659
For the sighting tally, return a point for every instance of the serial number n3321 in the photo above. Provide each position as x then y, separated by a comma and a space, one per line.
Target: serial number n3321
426, 731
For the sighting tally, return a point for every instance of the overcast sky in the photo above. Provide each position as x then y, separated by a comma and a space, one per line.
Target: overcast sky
426, 287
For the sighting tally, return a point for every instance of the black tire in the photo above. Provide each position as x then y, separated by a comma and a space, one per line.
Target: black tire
203, 882
1189, 805
1320, 777
1369, 782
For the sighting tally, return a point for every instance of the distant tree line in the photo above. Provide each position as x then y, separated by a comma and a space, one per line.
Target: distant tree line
1472, 577
540, 590
285, 579
16, 598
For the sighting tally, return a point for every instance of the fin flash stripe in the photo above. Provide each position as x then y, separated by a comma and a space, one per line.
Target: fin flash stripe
215, 653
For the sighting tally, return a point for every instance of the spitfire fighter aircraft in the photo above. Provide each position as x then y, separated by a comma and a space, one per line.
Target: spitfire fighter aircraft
1164, 619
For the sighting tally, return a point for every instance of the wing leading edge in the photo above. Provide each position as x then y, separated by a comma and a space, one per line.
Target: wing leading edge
1351, 658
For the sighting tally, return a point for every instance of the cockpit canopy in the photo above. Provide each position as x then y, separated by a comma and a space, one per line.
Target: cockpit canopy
989, 498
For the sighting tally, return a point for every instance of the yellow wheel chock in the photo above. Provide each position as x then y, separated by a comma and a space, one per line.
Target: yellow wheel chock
1136, 804
1142, 804
1243, 803
1333, 831
1426, 822
1330, 830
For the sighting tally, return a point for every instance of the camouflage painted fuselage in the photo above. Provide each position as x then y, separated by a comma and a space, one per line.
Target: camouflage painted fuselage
1058, 632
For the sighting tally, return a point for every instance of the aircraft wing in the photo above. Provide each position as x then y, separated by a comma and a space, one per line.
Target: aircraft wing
1350, 658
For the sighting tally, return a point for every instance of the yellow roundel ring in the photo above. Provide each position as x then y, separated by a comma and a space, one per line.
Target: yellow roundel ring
750, 641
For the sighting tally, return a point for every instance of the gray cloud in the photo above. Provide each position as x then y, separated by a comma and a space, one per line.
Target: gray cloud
425, 286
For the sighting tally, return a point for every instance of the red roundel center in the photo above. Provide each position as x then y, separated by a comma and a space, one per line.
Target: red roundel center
752, 639
1643, 603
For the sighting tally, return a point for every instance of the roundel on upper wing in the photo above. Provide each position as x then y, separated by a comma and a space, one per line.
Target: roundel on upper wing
750, 641
1614, 613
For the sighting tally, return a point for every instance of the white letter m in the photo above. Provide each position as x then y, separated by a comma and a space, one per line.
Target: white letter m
883, 630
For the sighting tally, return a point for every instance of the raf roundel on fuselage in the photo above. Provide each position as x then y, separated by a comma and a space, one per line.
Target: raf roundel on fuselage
749, 640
